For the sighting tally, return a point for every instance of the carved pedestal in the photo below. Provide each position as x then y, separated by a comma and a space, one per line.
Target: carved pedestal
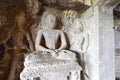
51, 70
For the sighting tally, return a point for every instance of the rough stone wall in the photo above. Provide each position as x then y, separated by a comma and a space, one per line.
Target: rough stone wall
15, 35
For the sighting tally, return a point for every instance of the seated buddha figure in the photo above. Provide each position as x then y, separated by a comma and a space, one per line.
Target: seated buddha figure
47, 41
51, 61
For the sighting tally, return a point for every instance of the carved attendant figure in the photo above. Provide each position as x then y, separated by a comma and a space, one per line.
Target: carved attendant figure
79, 40
78, 37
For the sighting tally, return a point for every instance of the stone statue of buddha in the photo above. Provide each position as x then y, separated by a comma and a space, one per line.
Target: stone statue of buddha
51, 61
48, 39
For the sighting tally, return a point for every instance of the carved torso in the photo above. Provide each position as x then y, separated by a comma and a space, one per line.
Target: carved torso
51, 38
76, 41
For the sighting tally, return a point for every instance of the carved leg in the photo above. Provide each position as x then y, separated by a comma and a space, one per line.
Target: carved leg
24, 77
37, 78
29, 79
74, 75
13, 68
79, 75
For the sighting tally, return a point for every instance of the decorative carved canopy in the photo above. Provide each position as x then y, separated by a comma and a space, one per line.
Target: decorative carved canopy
78, 5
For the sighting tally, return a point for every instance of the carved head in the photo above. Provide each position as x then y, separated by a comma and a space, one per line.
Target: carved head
49, 20
21, 19
78, 25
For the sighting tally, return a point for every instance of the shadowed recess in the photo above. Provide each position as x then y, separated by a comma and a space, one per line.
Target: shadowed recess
65, 5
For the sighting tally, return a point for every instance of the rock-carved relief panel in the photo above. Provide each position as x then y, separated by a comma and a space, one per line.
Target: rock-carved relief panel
43, 34
50, 46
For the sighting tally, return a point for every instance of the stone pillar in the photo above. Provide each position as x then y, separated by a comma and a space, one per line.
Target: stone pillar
106, 44
100, 57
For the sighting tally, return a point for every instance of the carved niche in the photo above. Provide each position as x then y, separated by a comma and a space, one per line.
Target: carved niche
59, 52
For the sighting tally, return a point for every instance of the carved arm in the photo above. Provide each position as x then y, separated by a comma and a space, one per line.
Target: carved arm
63, 41
38, 47
86, 43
